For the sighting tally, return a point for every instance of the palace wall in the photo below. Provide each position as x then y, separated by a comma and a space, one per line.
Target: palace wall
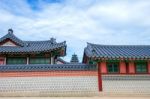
54, 83
126, 85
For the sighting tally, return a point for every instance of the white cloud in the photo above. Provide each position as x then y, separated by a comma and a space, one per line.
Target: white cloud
113, 22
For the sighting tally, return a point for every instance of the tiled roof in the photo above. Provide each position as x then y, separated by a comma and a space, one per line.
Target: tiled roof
46, 67
117, 51
12, 37
30, 46
61, 60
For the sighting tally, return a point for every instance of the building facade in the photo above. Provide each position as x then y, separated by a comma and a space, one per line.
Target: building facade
34, 68
120, 67
16, 51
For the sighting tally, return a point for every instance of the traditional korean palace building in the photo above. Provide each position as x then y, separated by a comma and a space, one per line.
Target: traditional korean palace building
121, 68
35, 68
15, 51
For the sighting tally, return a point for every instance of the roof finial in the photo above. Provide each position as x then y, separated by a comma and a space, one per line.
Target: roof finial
53, 40
10, 31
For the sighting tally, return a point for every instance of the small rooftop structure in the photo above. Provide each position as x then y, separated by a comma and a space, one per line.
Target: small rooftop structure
74, 59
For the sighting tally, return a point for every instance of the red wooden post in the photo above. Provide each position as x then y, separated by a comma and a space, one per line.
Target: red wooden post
103, 67
149, 67
131, 67
99, 77
123, 67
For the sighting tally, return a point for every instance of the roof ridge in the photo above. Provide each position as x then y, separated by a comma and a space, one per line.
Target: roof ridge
91, 44
116, 51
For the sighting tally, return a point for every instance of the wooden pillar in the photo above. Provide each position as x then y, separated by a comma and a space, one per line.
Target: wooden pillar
99, 77
103, 67
52, 60
131, 67
27, 60
5, 59
149, 66
123, 67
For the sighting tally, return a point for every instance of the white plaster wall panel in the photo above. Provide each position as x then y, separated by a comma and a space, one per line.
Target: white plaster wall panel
8, 43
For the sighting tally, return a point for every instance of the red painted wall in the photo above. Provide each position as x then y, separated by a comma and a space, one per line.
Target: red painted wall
48, 73
2, 61
123, 67
103, 67
131, 68
99, 79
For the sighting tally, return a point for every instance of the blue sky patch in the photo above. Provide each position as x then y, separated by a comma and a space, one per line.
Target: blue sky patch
36, 4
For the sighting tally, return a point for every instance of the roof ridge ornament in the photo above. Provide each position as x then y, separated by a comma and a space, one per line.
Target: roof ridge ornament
89, 45
10, 31
53, 40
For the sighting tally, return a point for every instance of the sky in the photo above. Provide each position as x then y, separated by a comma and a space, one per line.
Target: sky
117, 22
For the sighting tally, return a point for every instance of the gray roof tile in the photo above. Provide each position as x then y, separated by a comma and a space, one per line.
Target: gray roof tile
117, 51
61, 60
29, 46
47, 67
12, 37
